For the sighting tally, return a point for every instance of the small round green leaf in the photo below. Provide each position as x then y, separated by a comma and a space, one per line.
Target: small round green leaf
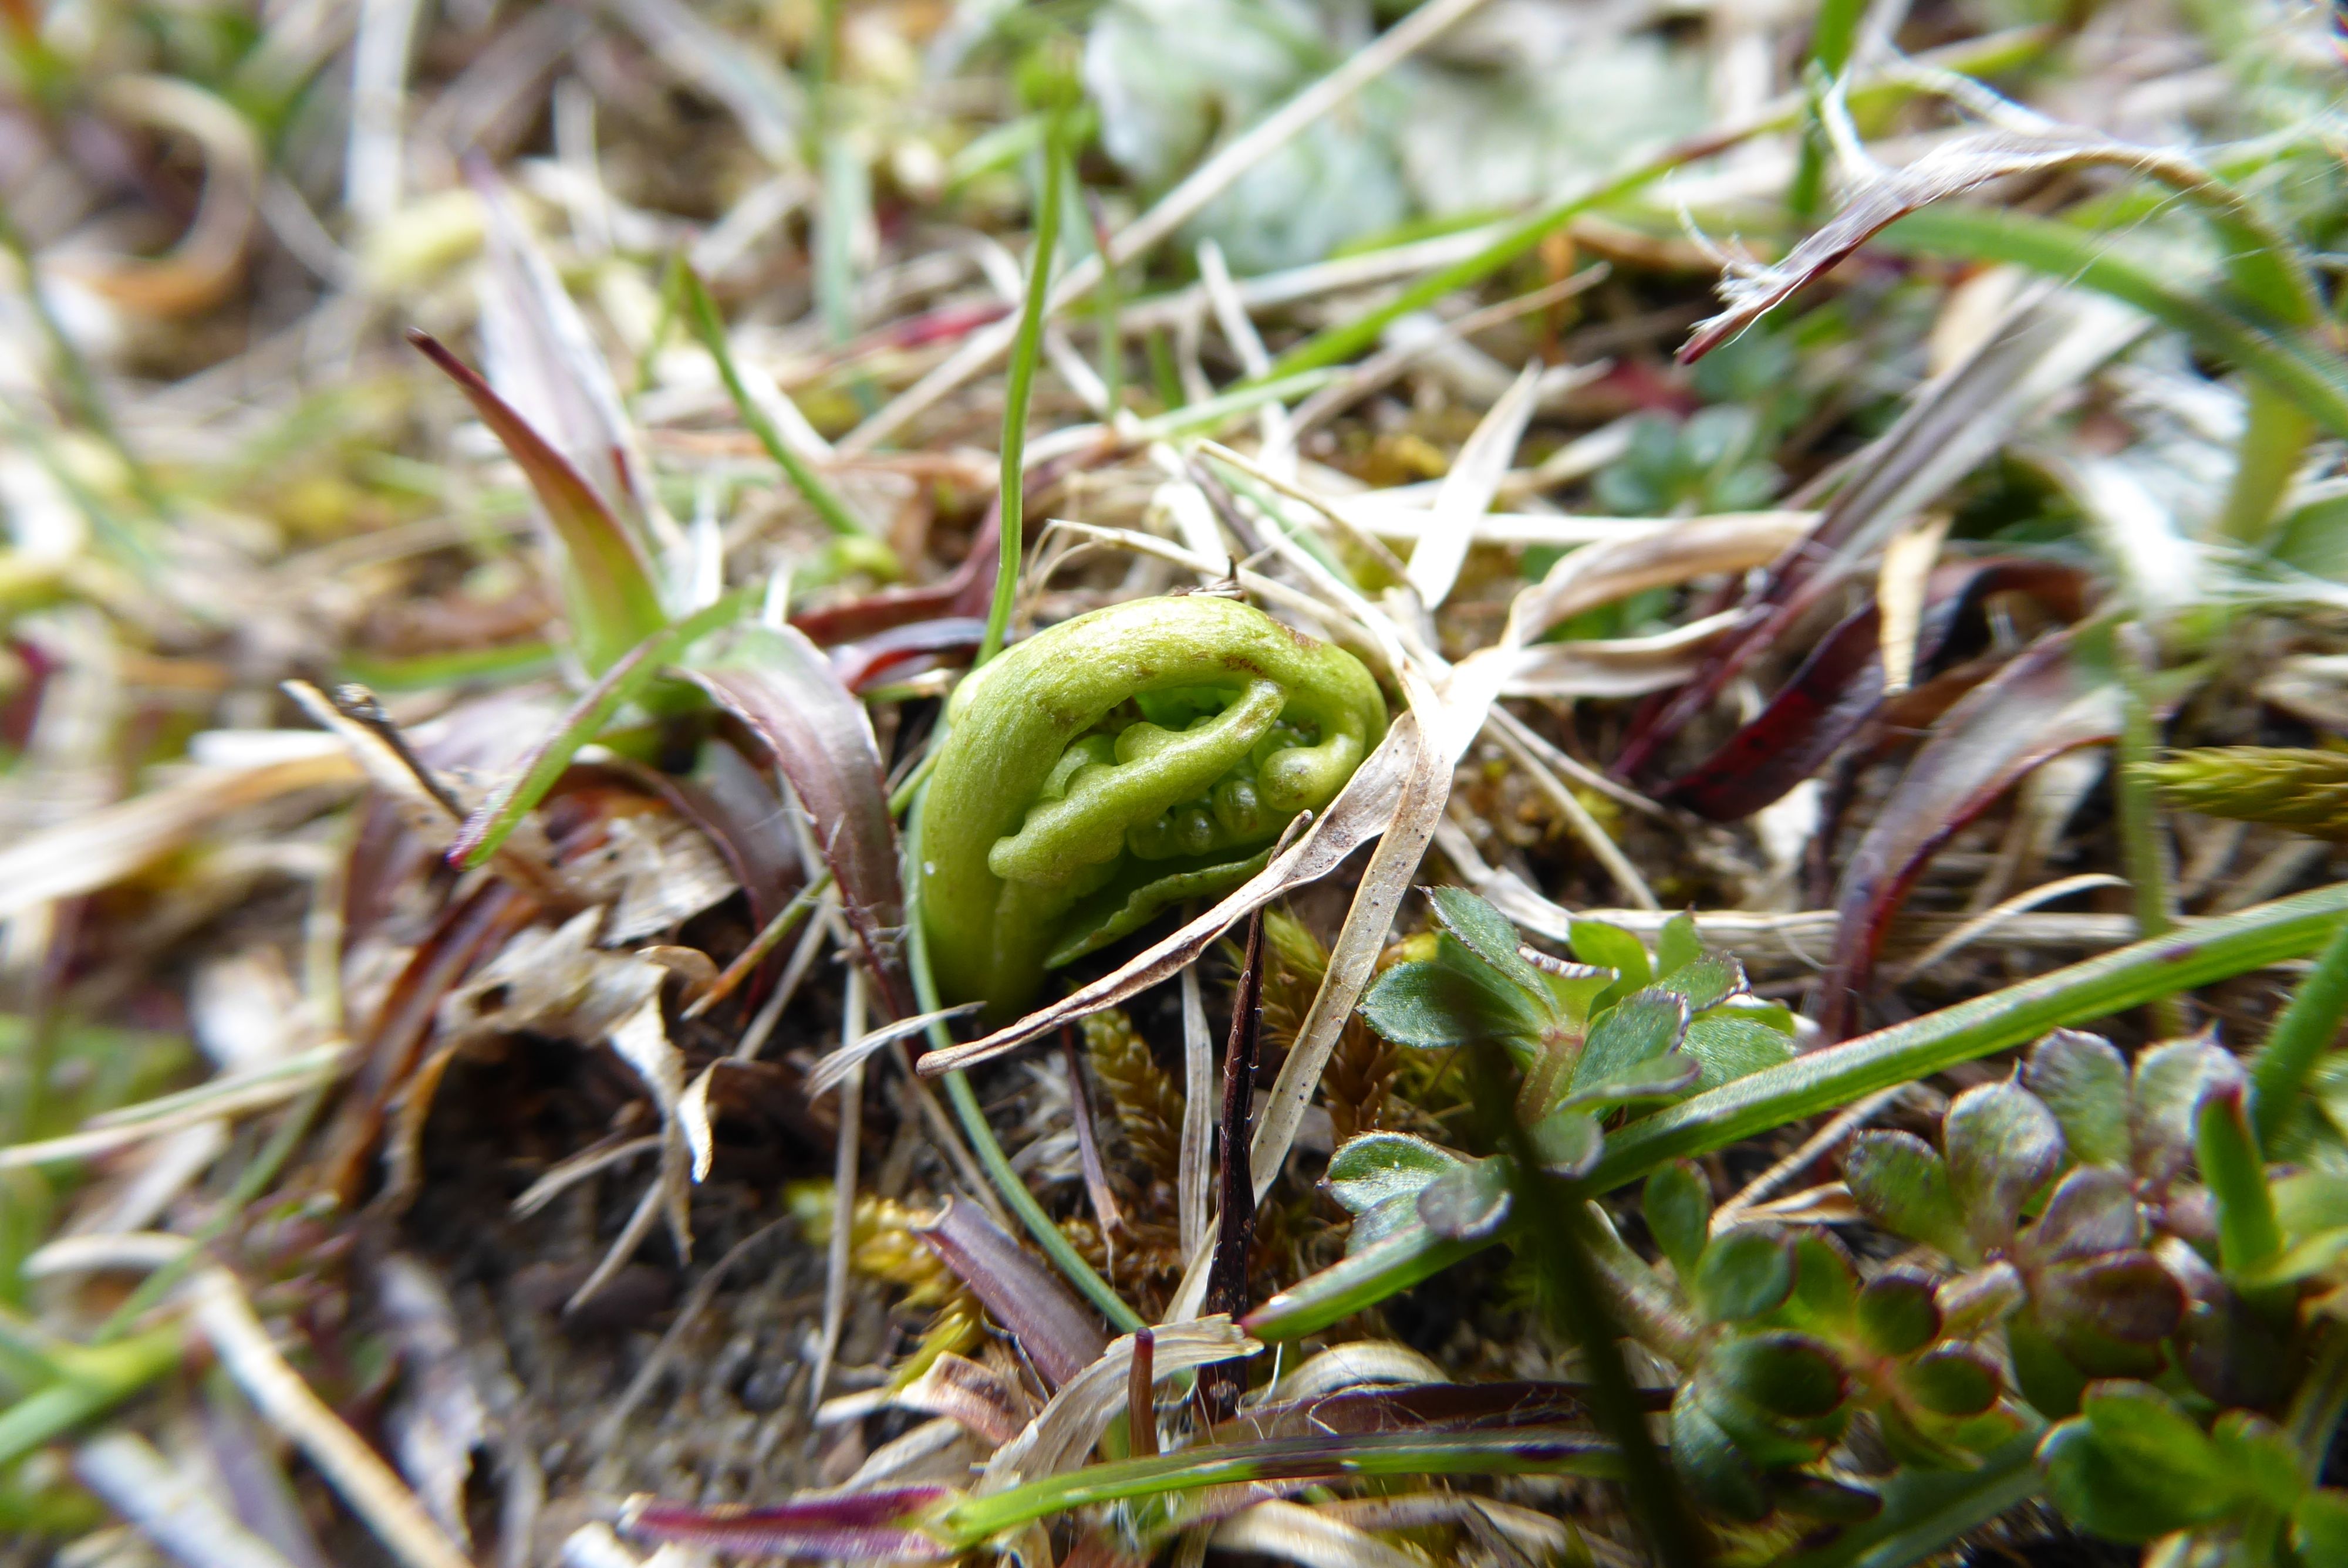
1710, 1465
1678, 1208
1746, 1272
1468, 1203
1642, 1025
2085, 1082
1897, 1313
2002, 1145
1901, 1184
1791, 1377
1567, 1141
1952, 1380
2318, 1528
1376, 1166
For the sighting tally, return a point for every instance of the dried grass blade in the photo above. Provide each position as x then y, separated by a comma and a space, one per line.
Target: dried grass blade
543, 360
387, 1507
102, 846
1065, 1431
1468, 487
2043, 703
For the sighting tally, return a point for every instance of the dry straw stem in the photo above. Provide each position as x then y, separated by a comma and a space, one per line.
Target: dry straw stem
219, 1311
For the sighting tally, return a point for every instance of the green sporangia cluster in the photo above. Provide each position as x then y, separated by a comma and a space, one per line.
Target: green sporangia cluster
2288, 787
1115, 764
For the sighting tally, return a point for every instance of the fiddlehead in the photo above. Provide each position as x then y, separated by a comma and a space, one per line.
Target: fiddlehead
1115, 762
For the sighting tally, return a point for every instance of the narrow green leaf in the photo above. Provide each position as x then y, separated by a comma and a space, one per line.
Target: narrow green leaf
1486, 933
1026, 349
1538, 1451
701, 311
494, 822
2248, 1235
2287, 361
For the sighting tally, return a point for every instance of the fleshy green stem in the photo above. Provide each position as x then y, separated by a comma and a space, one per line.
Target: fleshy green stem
2300, 1038
972, 1116
1026, 350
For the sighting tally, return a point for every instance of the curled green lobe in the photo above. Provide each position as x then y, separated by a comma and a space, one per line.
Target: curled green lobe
1114, 763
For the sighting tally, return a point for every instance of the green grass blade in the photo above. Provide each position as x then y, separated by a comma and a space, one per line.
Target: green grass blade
2309, 377
1026, 349
1338, 1458
104, 1378
624, 681
1926, 1511
1344, 341
2130, 977
701, 311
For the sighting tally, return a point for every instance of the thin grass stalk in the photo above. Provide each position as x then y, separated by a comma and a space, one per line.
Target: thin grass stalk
250, 1183
701, 311
1347, 340
2291, 365
2142, 847
1830, 41
969, 1524
2275, 434
1026, 349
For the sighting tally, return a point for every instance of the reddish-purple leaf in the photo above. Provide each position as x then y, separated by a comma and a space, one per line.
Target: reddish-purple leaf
779, 685
1953, 425
874, 1525
738, 810
2043, 703
1839, 687
864, 663
607, 583
1060, 1336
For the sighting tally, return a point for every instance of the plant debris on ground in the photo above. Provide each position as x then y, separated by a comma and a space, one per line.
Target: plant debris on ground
1172, 781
